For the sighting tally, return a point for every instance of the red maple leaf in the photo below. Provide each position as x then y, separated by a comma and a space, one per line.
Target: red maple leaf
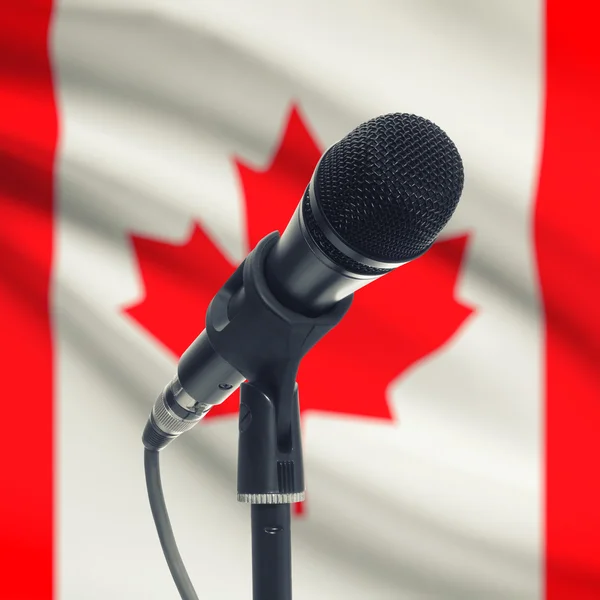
393, 322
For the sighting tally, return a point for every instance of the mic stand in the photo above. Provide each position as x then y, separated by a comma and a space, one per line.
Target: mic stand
277, 471
265, 341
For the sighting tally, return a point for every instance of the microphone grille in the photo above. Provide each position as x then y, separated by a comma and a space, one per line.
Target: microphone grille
389, 187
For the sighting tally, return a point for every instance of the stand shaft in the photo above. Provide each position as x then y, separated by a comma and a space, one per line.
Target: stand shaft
271, 552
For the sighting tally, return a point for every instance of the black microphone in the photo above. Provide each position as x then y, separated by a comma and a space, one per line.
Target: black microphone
377, 199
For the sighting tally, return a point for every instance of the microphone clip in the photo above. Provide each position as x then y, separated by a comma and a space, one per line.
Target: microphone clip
265, 342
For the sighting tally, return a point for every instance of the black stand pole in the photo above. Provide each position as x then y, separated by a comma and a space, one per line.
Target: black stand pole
271, 552
265, 342
270, 477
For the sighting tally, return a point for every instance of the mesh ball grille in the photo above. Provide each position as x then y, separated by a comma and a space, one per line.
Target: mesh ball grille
389, 187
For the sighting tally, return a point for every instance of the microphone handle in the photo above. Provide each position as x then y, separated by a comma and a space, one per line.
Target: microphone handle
205, 375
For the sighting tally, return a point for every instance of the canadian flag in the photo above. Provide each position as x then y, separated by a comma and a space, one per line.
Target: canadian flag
450, 423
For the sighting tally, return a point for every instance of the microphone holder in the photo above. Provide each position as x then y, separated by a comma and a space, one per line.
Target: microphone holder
265, 341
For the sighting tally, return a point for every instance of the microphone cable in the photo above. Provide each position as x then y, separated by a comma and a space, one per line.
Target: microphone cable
163, 526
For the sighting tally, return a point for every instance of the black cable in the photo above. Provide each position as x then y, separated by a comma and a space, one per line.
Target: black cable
163, 526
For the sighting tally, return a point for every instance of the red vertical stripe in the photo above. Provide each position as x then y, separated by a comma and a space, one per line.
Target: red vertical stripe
568, 244
28, 132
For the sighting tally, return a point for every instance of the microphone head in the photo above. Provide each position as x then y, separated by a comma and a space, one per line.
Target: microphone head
386, 190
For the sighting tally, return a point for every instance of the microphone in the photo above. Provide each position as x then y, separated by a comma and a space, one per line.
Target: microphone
377, 199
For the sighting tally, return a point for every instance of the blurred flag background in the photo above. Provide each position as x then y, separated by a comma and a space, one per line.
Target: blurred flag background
450, 422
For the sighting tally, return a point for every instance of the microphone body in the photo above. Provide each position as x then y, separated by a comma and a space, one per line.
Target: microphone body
377, 199
300, 276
